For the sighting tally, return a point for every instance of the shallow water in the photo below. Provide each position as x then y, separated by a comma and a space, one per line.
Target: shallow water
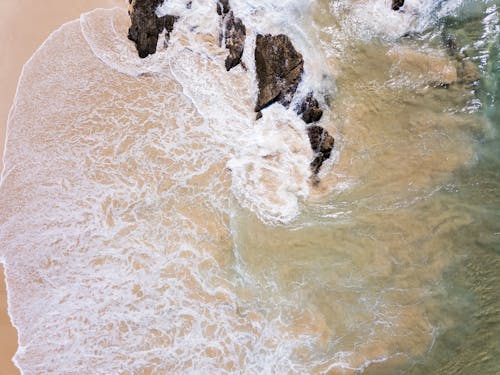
150, 225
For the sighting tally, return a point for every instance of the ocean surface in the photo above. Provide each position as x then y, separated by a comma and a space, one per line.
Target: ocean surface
150, 225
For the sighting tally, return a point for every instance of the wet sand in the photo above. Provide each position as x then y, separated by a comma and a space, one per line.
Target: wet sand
24, 25
8, 335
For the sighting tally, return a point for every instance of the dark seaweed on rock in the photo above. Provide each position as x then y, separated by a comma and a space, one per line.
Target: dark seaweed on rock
279, 69
147, 26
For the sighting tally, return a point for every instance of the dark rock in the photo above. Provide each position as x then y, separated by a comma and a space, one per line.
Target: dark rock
259, 115
146, 26
234, 34
310, 110
322, 144
168, 22
279, 69
189, 5
396, 4
223, 7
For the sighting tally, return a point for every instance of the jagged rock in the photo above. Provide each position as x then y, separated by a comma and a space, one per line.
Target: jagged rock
279, 69
234, 34
322, 144
310, 110
396, 4
147, 26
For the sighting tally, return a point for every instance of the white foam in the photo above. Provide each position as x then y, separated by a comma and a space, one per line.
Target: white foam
104, 31
271, 167
367, 19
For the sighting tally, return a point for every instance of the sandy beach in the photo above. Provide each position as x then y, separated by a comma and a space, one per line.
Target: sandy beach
24, 25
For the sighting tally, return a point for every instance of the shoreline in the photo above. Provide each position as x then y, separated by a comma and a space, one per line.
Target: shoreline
7, 332
25, 25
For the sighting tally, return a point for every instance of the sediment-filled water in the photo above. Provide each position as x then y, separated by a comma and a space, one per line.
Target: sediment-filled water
149, 224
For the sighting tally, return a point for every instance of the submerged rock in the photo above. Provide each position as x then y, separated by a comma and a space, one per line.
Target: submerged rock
310, 110
396, 4
427, 68
233, 34
467, 72
279, 69
322, 144
450, 43
147, 26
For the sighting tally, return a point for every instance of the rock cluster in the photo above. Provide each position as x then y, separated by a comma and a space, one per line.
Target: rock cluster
279, 67
233, 34
147, 26
321, 141
279, 70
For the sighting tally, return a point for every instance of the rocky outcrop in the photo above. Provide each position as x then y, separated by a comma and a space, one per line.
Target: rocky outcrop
322, 144
279, 68
309, 109
147, 26
321, 141
396, 4
233, 34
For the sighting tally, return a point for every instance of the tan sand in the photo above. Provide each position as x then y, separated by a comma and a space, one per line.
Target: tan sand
24, 25
8, 337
